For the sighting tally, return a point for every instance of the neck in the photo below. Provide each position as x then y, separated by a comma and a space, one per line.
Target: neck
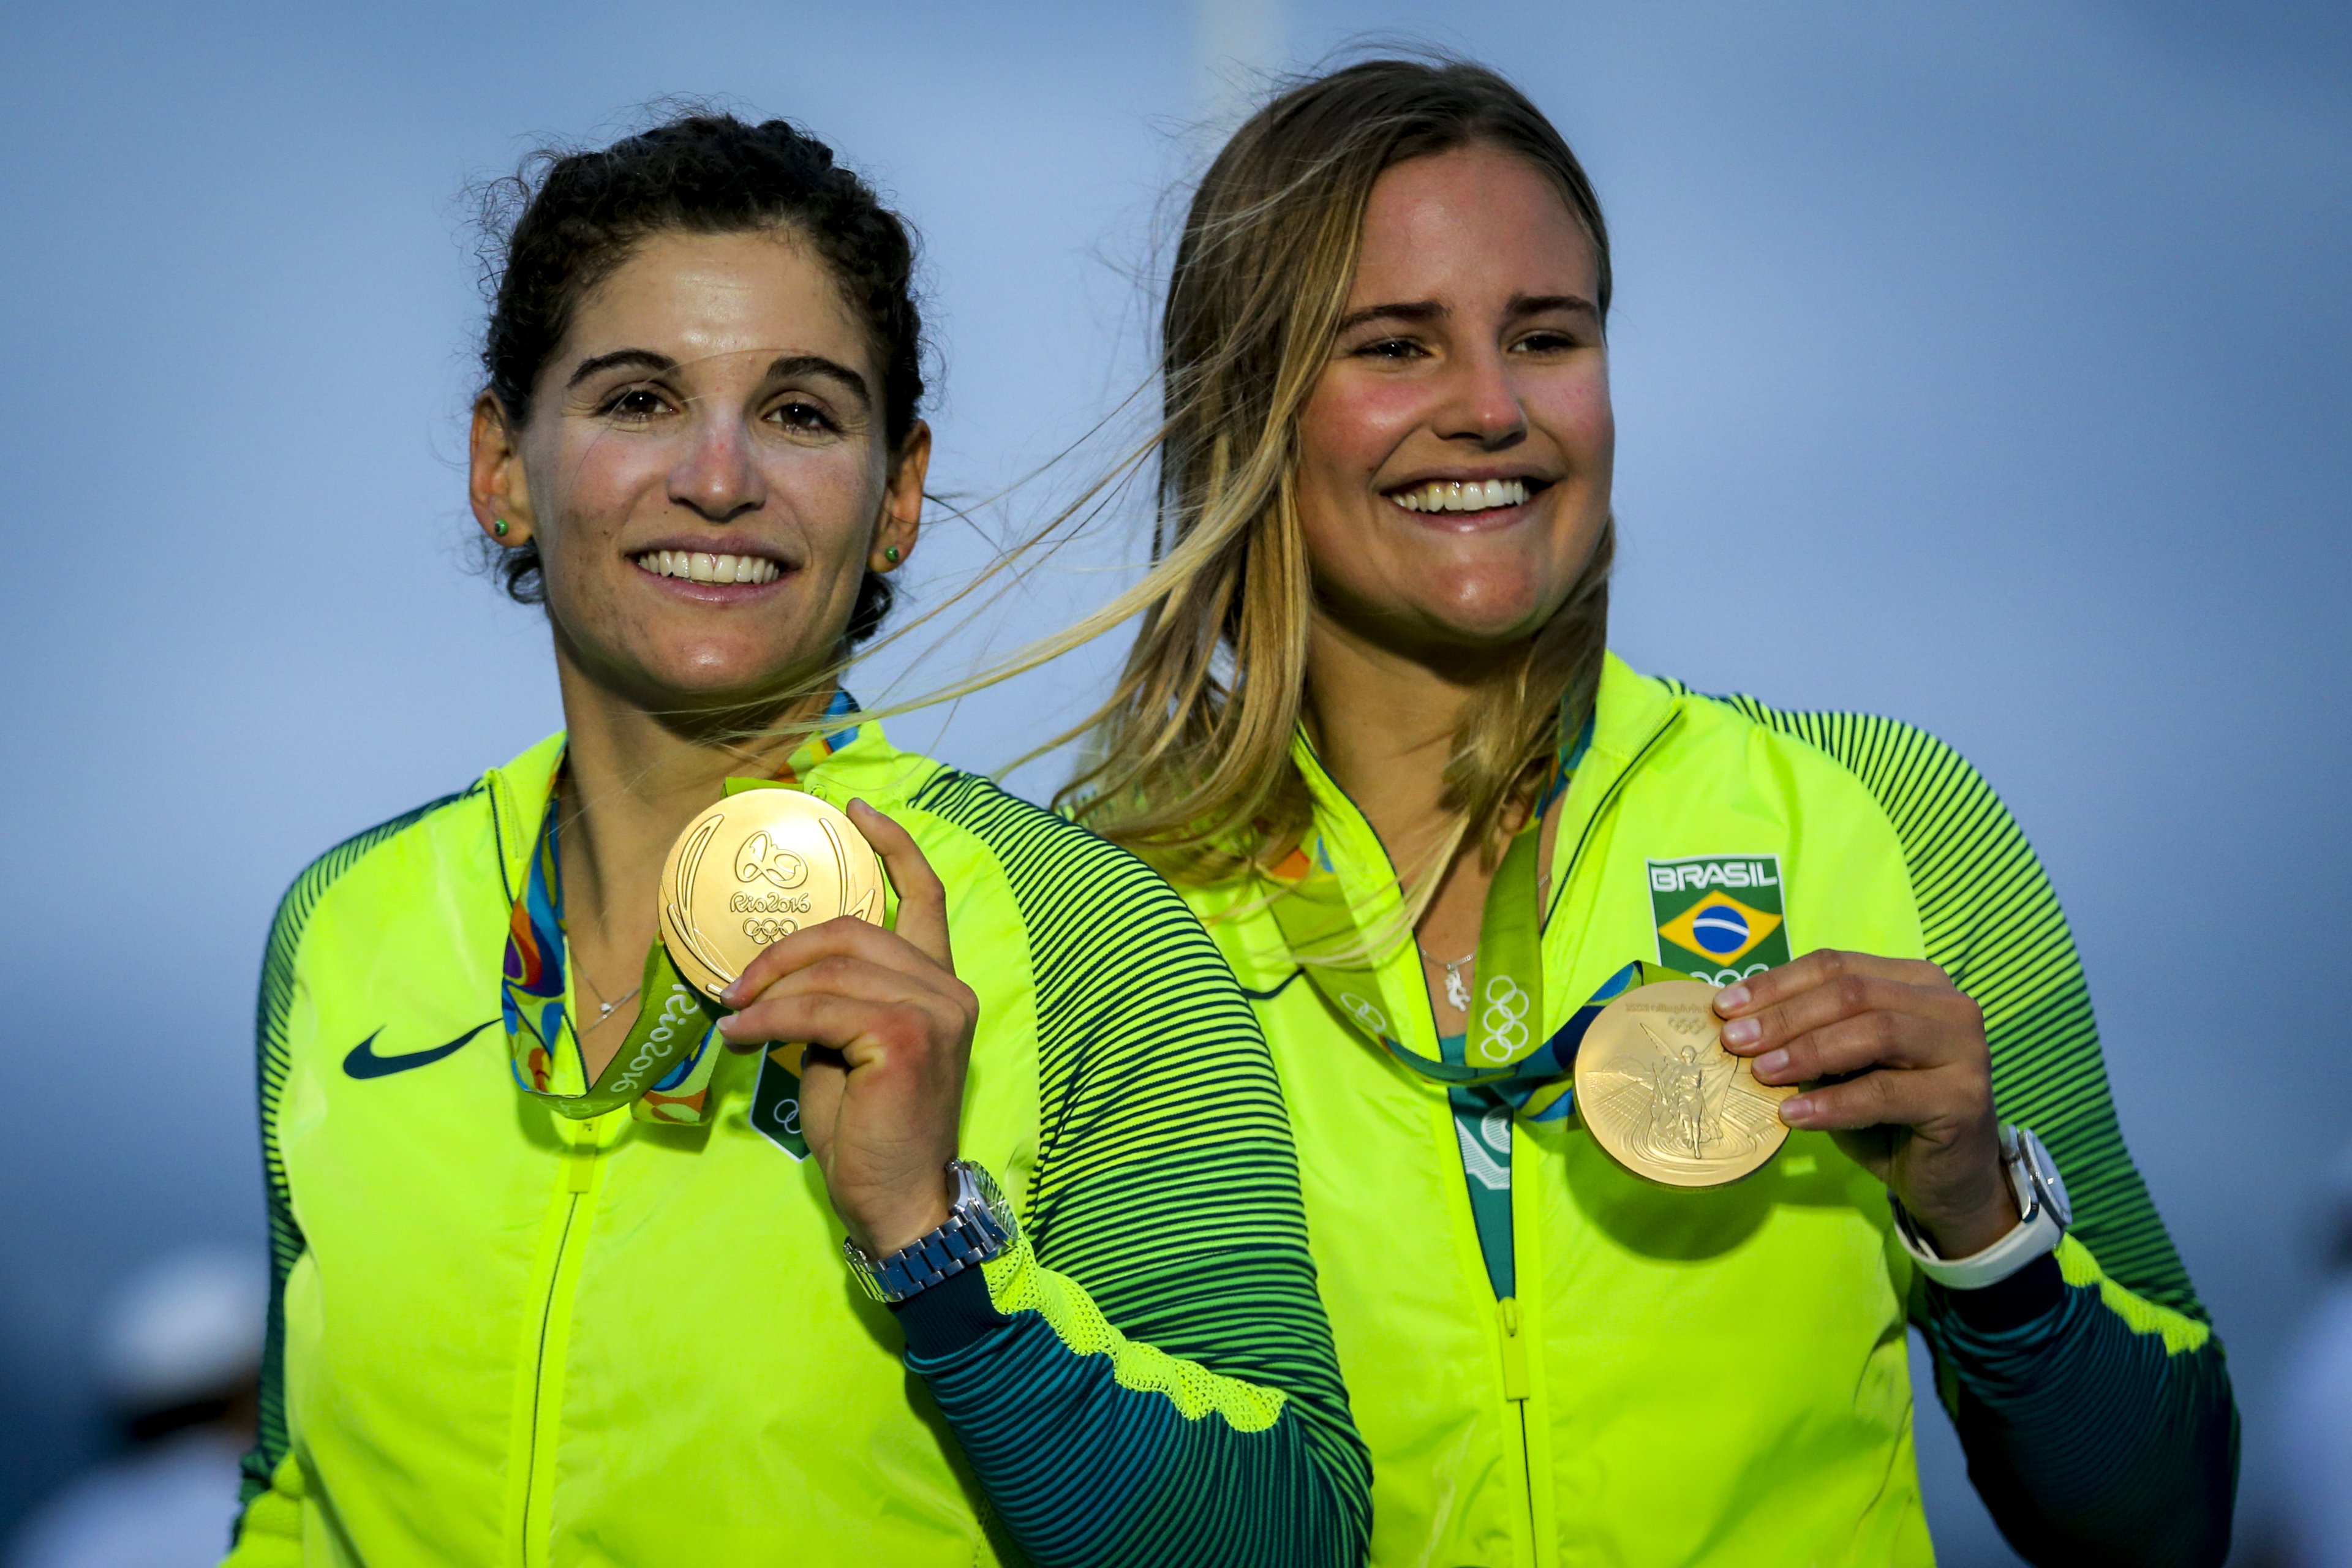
1384, 727
631, 782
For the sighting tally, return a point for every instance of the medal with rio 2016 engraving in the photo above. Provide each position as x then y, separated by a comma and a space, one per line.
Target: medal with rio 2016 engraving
1661, 1095
763, 863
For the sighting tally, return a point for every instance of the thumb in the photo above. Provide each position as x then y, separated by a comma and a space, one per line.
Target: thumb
922, 896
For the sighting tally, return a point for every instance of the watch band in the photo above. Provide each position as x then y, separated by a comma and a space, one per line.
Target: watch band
980, 1225
2043, 1214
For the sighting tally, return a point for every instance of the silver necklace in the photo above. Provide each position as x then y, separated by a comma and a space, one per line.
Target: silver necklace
1457, 990
604, 1009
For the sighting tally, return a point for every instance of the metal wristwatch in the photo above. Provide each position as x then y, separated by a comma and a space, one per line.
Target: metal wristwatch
2044, 1216
980, 1225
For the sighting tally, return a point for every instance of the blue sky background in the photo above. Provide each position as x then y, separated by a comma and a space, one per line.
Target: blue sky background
1991, 366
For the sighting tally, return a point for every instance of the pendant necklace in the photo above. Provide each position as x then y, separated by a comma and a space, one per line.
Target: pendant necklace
1457, 991
604, 1009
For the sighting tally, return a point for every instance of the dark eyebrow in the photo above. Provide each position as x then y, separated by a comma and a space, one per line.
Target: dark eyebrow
1416, 312
1404, 311
643, 359
1538, 304
786, 367
793, 367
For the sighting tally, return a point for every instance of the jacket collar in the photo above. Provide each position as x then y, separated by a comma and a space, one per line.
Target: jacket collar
835, 762
1631, 710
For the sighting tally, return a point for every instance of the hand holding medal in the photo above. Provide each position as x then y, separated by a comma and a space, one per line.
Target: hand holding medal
1902, 1077
888, 1025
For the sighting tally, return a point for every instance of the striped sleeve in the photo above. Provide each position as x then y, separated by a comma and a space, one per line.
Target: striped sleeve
2090, 1396
1150, 1379
264, 1516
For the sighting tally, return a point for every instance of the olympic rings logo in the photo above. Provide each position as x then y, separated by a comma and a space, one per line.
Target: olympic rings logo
1504, 1023
769, 929
1366, 1016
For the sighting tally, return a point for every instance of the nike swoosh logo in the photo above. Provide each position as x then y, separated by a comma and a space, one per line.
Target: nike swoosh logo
364, 1063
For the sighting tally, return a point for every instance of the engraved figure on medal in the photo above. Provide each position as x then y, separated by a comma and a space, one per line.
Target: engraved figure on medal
1685, 1103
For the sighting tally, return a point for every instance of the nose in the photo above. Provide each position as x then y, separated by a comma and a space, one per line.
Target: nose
718, 475
1483, 405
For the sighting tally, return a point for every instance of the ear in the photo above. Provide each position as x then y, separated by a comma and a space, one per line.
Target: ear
495, 482
902, 503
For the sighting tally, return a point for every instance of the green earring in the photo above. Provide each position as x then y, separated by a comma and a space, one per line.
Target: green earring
890, 553
499, 526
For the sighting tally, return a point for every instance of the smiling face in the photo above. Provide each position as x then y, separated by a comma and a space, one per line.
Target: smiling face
705, 472
1454, 457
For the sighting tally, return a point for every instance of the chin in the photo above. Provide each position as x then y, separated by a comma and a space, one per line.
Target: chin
1493, 614
708, 677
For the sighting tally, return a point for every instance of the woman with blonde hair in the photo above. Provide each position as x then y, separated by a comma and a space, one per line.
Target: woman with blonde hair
1371, 730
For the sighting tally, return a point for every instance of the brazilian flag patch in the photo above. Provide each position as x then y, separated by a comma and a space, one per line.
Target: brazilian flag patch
1720, 917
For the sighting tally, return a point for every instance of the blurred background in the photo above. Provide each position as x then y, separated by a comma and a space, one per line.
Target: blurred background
1990, 366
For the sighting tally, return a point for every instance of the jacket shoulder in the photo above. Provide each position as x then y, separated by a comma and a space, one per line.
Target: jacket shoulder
303, 899
1948, 818
1091, 884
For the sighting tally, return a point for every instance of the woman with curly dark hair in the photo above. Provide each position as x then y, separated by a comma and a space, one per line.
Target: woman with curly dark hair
559, 1236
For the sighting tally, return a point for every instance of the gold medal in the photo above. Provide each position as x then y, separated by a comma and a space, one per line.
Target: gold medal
756, 867
1658, 1092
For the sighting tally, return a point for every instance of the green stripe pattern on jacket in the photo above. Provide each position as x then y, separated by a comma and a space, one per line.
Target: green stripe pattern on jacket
2150, 1478
500, 1336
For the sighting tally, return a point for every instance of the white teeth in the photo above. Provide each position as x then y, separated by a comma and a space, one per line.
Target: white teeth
1473, 495
703, 567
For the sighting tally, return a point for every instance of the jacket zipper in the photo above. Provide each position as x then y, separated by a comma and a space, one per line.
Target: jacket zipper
1517, 1387
1518, 1384
579, 1177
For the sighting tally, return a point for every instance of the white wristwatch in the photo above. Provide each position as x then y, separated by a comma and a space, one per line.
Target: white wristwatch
2044, 1214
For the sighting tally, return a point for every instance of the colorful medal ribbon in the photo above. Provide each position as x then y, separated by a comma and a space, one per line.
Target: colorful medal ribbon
662, 1070
1503, 1050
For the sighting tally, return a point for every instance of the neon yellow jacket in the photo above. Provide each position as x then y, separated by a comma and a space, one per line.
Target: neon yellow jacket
502, 1337
1719, 1377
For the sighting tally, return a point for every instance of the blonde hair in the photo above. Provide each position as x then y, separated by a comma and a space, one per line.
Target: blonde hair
1190, 761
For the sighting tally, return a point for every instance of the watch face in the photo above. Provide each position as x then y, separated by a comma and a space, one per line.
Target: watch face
2045, 1174
974, 1183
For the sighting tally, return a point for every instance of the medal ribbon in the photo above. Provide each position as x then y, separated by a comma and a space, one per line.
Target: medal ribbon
662, 1069
1503, 1049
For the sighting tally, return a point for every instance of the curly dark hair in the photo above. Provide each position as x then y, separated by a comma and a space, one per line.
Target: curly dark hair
568, 219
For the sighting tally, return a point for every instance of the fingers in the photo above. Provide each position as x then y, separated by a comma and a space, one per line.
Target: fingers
1917, 1099
846, 937
922, 897
1834, 1012
865, 1032
1876, 1038
1823, 966
1907, 1045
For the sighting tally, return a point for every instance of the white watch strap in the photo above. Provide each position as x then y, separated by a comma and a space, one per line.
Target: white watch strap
2037, 1232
